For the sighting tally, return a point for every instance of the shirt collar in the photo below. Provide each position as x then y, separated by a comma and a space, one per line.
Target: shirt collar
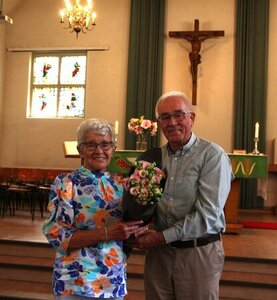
92, 174
185, 147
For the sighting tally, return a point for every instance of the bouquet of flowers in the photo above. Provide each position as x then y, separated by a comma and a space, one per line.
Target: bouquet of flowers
140, 126
143, 191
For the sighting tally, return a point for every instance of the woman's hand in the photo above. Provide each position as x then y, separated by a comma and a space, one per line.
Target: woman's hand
118, 230
122, 230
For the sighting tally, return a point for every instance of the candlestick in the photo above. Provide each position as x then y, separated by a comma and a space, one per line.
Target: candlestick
257, 127
256, 151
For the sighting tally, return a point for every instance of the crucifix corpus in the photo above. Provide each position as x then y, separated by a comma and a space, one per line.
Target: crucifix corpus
195, 38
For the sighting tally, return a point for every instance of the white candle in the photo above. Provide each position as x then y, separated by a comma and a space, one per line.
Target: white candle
116, 125
257, 126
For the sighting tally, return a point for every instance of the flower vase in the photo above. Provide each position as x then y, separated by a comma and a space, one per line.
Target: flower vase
141, 145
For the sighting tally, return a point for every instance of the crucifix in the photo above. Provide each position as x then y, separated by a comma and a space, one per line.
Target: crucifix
195, 38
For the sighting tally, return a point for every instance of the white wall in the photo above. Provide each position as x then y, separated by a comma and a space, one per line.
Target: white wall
214, 109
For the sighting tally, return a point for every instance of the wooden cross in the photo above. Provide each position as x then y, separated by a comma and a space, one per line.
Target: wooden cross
195, 38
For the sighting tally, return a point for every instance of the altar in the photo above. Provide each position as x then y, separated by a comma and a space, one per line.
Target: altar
243, 166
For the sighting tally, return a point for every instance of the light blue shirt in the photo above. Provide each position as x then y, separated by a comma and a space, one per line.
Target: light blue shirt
198, 182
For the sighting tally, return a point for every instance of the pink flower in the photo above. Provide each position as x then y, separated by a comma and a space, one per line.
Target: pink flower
156, 179
146, 164
159, 172
154, 128
145, 124
142, 173
138, 130
134, 191
135, 179
145, 181
144, 192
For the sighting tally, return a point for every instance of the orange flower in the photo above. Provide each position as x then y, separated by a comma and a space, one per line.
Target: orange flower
111, 258
100, 284
107, 192
79, 281
69, 258
80, 218
67, 192
68, 292
54, 231
100, 218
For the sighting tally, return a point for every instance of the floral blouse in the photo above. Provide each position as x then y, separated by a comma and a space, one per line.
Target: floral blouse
86, 200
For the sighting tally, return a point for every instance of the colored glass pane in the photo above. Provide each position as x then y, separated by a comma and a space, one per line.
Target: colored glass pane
44, 102
46, 70
58, 88
71, 102
73, 70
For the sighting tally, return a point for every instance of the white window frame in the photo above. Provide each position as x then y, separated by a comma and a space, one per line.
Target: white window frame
59, 86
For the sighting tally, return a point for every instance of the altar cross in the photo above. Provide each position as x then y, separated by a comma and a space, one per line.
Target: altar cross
195, 38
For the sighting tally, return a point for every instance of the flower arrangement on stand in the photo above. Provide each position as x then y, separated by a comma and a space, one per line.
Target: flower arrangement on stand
140, 127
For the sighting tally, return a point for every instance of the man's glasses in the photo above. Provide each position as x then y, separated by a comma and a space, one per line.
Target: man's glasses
92, 146
177, 116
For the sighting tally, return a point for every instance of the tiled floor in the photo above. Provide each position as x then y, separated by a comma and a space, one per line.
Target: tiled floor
253, 243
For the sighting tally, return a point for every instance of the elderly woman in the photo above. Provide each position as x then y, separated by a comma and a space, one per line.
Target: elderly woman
85, 222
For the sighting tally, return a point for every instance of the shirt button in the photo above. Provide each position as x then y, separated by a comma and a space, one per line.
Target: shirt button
171, 178
175, 158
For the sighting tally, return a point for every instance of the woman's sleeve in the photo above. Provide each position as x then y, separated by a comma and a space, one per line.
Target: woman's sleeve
58, 228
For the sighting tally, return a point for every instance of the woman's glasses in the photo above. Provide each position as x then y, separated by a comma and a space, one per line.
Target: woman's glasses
92, 146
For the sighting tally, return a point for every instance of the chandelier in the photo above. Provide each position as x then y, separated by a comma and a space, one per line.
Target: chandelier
78, 18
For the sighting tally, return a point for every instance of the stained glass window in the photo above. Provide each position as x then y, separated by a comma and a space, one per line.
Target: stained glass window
58, 86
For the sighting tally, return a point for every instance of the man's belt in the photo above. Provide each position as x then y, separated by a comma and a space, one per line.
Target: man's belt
203, 241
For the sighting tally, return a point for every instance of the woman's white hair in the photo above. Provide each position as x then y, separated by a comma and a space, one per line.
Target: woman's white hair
97, 126
173, 94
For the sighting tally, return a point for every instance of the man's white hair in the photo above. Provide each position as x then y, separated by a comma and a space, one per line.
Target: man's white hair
170, 94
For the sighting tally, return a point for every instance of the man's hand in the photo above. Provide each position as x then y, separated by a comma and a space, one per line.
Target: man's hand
148, 240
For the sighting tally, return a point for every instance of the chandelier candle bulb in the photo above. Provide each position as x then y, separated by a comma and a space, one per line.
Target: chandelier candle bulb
62, 15
93, 18
257, 127
68, 4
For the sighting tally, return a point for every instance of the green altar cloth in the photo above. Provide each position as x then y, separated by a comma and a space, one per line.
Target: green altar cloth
249, 165
243, 165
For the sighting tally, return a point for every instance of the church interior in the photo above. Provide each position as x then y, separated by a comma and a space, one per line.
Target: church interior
35, 145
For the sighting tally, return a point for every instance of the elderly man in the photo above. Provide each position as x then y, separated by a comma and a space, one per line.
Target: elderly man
185, 255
